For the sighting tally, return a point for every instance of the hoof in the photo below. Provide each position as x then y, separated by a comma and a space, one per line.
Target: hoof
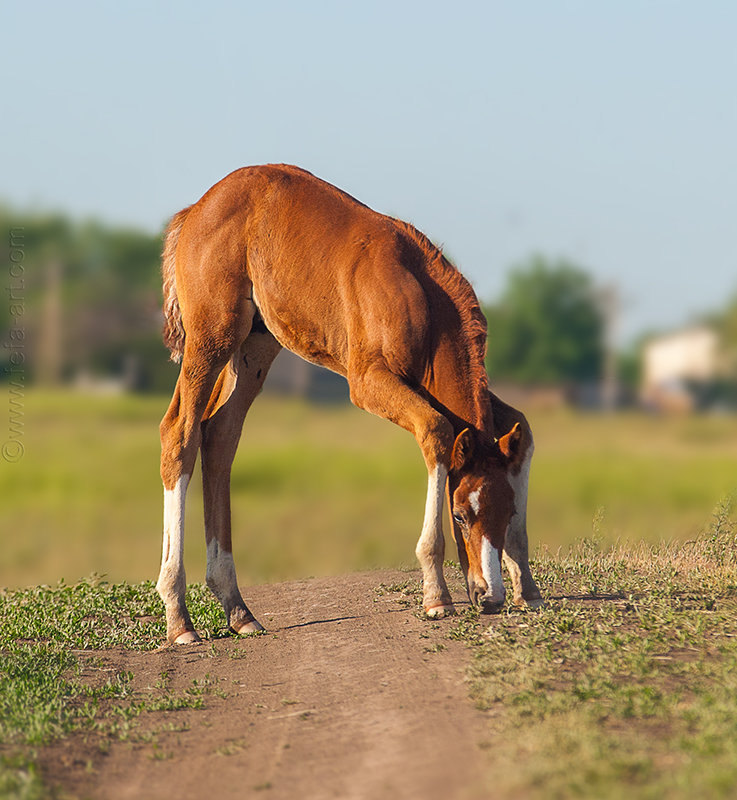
440, 611
254, 626
187, 637
533, 605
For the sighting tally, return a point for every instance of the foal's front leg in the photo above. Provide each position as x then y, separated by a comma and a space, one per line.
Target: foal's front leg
430, 548
385, 394
516, 555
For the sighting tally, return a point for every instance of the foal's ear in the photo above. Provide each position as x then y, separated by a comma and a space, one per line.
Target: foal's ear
511, 445
462, 450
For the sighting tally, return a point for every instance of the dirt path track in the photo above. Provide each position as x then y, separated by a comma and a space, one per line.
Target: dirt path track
349, 696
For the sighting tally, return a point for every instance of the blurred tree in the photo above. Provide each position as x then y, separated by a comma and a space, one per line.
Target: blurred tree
726, 325
548, 326
630, 368
723, 390
103, 317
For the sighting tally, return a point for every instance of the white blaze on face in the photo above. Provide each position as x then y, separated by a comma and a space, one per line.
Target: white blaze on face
492, 570
474, 502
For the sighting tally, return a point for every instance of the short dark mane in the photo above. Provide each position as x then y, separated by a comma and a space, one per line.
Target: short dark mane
473, 321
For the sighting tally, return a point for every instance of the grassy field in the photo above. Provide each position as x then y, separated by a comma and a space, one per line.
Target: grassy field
624, 685
50, 689
321, 490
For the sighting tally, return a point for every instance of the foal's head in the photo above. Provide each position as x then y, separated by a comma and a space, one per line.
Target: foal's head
482, 505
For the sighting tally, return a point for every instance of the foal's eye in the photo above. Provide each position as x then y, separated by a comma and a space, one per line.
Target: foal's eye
459, 518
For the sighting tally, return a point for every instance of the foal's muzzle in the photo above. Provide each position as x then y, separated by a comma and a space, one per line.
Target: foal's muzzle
489, 605
484, 600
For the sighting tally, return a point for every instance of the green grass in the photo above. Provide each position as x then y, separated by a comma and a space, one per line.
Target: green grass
625, 684
644, 478
48, 689
19, 779
321, 490
315, 491
44, 637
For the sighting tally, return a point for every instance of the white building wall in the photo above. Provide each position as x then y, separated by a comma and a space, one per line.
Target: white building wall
687, 355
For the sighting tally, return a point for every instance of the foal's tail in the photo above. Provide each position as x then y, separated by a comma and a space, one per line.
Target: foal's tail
173, 331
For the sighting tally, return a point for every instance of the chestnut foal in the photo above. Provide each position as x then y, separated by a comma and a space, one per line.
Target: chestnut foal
273, 257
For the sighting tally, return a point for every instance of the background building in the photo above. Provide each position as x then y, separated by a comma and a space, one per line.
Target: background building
678, 368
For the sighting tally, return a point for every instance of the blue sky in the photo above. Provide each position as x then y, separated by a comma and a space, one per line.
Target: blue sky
602, 132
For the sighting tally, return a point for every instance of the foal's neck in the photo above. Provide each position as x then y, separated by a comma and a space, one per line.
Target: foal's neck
459, 389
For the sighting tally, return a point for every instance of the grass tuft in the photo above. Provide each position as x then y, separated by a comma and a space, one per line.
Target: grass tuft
45, 636
625, 684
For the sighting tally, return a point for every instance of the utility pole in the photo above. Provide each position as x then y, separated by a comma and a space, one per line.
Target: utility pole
610, 306
50, 349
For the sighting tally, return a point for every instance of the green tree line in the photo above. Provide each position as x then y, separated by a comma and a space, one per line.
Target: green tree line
548, 326
88, 301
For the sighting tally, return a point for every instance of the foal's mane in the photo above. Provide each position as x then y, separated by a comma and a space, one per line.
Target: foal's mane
473, 322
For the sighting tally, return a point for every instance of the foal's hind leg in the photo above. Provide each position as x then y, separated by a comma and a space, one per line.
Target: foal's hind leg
515, 553
180, 440
220, 437
385, 394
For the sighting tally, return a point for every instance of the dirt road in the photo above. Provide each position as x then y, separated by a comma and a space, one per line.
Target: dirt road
350, 695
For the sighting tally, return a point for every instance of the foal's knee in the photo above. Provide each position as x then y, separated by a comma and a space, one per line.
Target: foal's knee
436, 441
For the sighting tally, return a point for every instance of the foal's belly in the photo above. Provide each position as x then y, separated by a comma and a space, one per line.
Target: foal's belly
317, 336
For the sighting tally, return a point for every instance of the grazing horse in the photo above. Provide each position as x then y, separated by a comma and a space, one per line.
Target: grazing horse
273, 257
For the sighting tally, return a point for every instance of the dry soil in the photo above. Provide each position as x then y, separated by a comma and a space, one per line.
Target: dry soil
350, 695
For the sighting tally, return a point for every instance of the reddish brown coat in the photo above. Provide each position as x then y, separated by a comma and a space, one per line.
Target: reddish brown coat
273, 256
